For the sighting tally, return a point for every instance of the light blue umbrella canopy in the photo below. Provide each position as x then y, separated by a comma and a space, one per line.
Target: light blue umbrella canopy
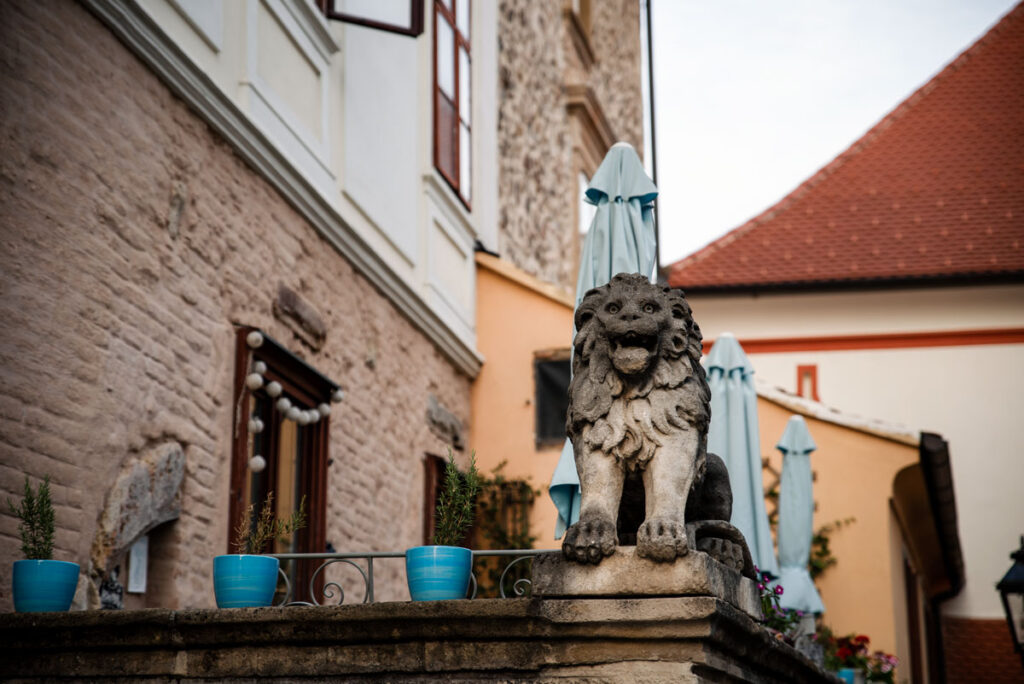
734, 436
796, 514
620, 240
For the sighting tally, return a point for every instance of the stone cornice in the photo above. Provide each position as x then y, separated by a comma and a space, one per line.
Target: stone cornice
130, 23
598, 135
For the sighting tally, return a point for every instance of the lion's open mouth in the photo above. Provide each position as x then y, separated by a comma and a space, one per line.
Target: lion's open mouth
632, 351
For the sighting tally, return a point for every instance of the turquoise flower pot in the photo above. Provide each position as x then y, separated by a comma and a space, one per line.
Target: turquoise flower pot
436, 573
42, 586
244, 581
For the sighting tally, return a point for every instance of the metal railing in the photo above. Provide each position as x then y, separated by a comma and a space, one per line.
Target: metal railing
333, 589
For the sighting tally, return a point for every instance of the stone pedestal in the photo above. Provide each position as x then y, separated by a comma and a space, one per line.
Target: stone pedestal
623, 574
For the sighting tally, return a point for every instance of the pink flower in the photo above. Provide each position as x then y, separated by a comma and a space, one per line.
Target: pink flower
778, 590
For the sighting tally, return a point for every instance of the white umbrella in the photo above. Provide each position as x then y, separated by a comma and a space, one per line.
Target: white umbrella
734, 436
796, 518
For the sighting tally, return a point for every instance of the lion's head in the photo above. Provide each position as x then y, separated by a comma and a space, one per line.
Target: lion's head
634, 338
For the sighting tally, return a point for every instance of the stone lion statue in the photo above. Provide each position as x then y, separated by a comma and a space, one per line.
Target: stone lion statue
639, 409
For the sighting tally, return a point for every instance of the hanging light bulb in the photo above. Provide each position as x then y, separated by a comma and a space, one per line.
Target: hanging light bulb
283, 404
324, 409
255, 425
273, 388
259, 367
338, 395
257, 464
254, 381
254, 339
293, 413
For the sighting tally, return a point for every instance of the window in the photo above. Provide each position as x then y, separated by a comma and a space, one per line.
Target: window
551, 379
452, 128
807, 382
281, 430
396, 16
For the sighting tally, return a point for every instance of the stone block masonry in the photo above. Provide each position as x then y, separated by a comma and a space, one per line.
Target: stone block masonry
540, 150
694, 640
132, 239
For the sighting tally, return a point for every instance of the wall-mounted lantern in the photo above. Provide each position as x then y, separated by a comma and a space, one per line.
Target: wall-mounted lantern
1011, 590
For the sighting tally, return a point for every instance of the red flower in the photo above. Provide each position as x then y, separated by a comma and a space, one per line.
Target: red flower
861, 639
843, 653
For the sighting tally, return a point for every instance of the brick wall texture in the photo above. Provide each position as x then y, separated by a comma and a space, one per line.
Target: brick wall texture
117, 329
980, 651
538, 171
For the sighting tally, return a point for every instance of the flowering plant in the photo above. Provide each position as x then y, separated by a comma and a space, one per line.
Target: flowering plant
776, 618
846, 651
882, 667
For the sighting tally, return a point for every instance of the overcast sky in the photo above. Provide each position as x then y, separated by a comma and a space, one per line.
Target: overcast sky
754, 96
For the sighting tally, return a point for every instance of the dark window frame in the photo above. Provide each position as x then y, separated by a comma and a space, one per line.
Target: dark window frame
308, 388
549, 356
443, 13
414, 29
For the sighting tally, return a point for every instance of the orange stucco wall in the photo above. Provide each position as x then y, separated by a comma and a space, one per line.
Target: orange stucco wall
854, 474
516, 316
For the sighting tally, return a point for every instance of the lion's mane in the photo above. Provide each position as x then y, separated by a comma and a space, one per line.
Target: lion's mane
628, 417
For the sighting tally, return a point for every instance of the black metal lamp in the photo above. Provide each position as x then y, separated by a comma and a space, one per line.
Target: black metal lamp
1011, 590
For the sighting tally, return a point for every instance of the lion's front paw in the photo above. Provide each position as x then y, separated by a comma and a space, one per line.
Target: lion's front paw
590, 540
661, 540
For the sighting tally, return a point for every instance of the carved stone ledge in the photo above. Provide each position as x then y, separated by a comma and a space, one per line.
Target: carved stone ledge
623, 574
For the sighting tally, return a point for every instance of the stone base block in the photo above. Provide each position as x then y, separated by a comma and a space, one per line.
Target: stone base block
624, 574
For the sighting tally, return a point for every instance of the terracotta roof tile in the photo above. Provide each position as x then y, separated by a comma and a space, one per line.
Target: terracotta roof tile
935, 190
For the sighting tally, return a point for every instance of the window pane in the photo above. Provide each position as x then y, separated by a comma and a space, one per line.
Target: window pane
445, 57
447, 129
551, 378
462, 17
289, 456
464, 166
391, 12
464, 89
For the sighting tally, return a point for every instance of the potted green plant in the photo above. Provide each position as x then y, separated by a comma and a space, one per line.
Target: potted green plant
442, 570
40, 583
247, 578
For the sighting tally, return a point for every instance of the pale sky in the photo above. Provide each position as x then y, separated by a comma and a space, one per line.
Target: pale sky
752, 97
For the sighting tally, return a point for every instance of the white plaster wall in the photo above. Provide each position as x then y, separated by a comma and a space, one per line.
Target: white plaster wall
381, 131
972, 395
855, 313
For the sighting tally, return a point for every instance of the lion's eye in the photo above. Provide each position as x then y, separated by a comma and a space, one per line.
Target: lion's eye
613, 308
649, 308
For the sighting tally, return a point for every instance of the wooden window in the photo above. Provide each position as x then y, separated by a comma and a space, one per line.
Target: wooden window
551, 374
394, 16
807, 382
294, 453
452, 104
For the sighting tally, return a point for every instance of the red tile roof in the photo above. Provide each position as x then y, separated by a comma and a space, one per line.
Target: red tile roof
935, 190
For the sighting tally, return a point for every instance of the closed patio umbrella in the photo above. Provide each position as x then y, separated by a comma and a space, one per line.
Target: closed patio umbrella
620, 240
734, 436
796, 514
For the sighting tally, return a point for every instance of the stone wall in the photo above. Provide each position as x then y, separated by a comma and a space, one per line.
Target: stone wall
690, 640
538, 143
132, 240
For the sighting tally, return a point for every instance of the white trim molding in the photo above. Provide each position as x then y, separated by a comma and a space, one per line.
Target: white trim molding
137, 30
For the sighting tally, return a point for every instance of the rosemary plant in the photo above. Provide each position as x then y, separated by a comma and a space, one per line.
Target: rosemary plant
252, 535
457, 502
37, 526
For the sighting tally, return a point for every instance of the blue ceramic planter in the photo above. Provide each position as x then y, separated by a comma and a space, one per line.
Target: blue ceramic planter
44, 585
244, 581
437, 573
